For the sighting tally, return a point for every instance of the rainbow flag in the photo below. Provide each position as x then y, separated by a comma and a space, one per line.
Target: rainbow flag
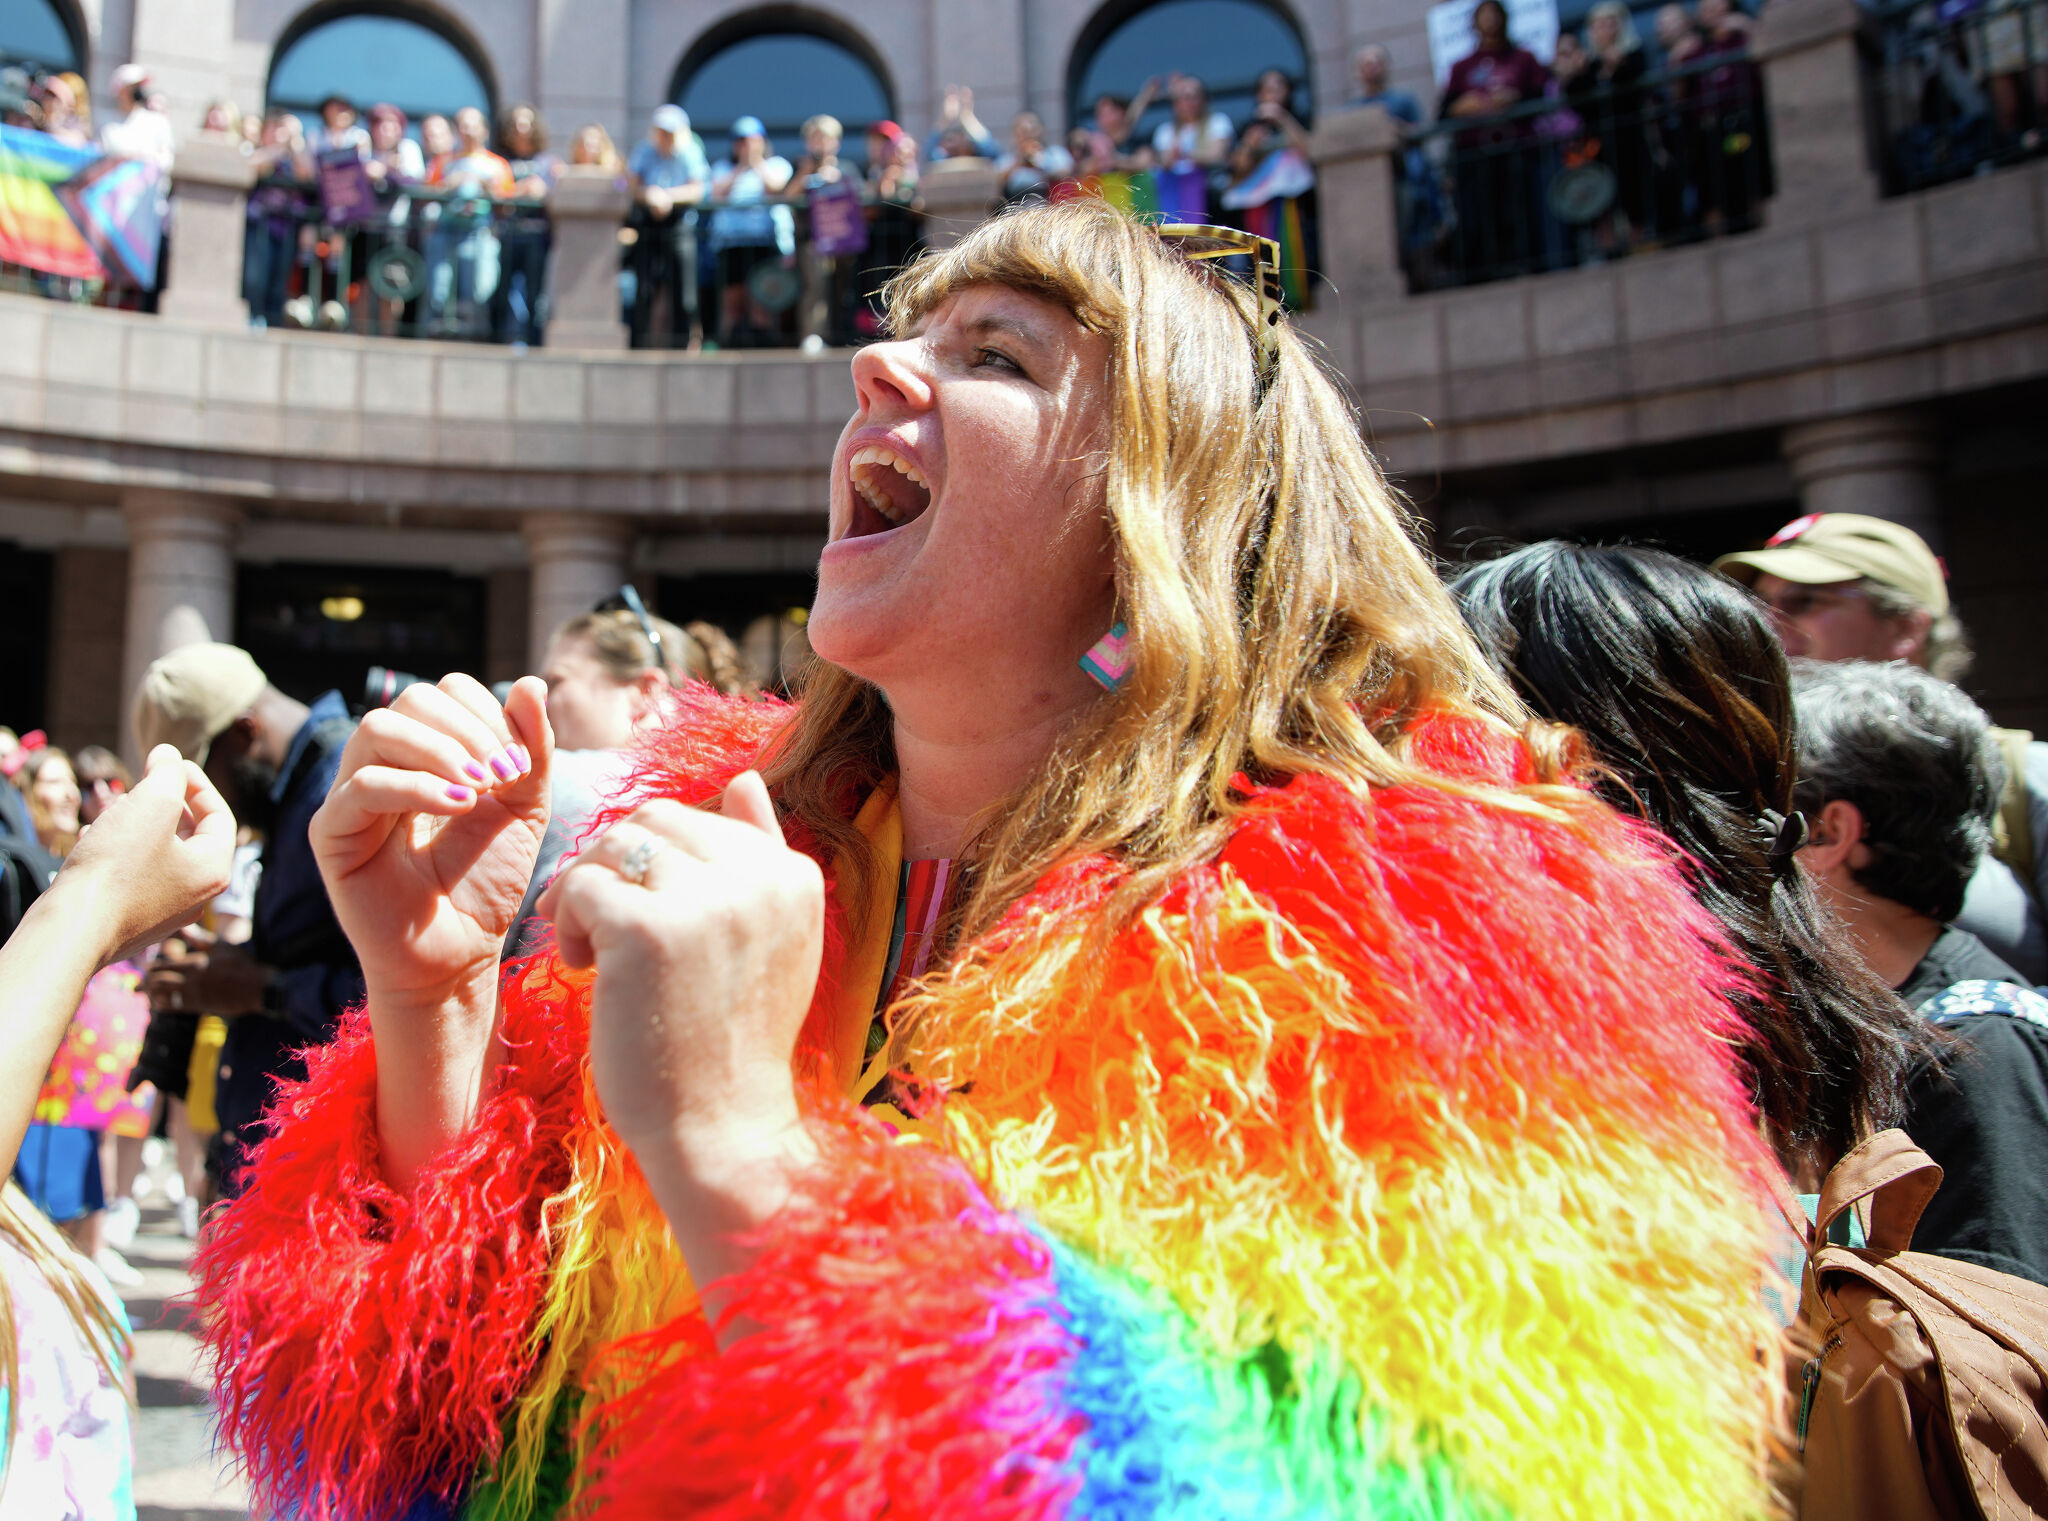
35, 230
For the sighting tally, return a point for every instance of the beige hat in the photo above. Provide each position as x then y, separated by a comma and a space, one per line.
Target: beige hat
1826, 547
192, 694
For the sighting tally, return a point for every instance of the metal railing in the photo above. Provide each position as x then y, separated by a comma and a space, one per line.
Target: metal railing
1594, 172
468, 269
771, 274
1958, 87
424, 263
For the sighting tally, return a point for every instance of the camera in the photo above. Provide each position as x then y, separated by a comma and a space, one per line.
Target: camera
383, 684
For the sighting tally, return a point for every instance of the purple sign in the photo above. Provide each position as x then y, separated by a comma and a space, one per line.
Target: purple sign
347, 195
838, 224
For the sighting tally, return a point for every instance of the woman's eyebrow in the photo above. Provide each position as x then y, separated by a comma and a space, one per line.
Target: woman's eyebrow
1027, 332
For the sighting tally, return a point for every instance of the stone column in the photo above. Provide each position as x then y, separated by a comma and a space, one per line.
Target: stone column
956, 196
587, 207
209, 194
1813, 89
181, 581
1356, 155
1881, 464
578, 559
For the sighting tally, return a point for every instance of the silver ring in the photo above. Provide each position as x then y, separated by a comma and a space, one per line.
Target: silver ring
634, 867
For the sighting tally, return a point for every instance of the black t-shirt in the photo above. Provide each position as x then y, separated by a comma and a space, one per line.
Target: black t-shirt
1956, 956
1982, 1113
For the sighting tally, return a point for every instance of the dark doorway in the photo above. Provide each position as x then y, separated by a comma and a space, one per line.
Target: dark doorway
316, 627
734, 601
25, 629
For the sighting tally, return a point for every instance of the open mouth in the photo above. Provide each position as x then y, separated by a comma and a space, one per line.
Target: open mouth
888, 491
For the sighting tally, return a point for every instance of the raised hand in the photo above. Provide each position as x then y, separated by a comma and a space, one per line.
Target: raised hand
145, 867
705, 929
428, 837
155, 858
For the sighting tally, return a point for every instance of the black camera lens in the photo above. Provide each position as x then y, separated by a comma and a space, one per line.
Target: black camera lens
382, 686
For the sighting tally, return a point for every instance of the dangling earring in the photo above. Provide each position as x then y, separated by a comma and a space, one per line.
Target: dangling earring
1108, 660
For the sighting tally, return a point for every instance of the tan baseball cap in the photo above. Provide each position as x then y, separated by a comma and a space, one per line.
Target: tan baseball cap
189, 696
1825, 547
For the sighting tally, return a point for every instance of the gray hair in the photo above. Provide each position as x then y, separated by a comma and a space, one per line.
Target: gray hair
1947, 654
1918, 760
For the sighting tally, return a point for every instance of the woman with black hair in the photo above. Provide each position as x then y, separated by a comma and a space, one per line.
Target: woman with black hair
1677, 683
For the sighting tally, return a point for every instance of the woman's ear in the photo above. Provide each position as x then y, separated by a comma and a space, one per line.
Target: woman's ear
1833, 836
648, 688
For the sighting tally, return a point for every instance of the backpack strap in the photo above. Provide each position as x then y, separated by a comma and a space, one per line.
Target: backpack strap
1895, 1175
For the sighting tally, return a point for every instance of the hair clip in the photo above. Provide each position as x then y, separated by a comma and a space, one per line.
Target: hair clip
1788, 834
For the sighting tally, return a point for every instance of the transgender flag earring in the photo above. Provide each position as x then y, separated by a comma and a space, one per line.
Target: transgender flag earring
1108, 660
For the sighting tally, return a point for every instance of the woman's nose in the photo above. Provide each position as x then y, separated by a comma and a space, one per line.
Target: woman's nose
891, 377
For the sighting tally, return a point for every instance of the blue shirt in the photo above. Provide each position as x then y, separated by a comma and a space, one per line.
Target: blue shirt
1398, 104
667, 171
293, 929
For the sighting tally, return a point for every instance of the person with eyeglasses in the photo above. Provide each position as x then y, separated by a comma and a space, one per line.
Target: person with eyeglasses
1844, 586
1155, 1028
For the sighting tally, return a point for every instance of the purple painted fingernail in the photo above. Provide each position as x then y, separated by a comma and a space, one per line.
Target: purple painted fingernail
504, 765
460, 794
476, 772
523, 757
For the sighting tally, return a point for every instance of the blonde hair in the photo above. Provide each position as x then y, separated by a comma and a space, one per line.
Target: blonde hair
23, 1227
827, 125
698, 653
607, 151
1282, 618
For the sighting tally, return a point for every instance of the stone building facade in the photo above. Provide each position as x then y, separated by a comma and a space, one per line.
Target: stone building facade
162, 474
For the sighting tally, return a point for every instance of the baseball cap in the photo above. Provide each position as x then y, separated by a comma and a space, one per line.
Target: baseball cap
749, 126
189, 696
888, 130
129, 74
671, 119
1826, 547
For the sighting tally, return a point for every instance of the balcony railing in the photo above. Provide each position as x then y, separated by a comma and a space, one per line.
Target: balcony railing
470, 269
1960, 87
1591, 174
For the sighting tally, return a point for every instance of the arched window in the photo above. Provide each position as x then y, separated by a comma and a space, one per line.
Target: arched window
41, 35
1226, 44
373, 52
784, 65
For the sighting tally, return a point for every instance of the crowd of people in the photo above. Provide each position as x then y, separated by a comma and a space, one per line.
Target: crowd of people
462, 203
1184, 1012
1588, 157
1618, 142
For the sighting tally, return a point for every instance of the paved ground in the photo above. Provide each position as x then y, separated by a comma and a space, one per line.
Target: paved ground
177, 1477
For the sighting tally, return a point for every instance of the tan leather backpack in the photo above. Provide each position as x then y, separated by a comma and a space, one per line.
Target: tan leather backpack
1923, 1391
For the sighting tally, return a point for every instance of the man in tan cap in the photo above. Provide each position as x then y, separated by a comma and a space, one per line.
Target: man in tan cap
1842, 586
274, 759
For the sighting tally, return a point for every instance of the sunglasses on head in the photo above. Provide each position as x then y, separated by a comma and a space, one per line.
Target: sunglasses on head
627, 600
1198, 241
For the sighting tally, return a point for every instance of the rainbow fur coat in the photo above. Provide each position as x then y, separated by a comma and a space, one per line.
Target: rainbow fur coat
1393, 1164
